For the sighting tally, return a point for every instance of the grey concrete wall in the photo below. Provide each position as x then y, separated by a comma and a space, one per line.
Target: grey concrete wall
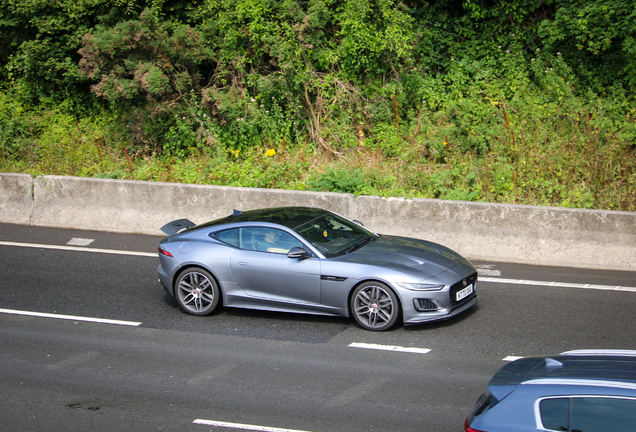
511, 233
144, 207
16, 201
499, 232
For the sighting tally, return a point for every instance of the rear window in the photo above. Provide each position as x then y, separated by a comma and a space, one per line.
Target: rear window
588, 414
228, 236
483, 404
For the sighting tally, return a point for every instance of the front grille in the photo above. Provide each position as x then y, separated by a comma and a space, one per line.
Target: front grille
472, 279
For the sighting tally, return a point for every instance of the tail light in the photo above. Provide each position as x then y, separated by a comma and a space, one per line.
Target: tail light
468, 428
165, 252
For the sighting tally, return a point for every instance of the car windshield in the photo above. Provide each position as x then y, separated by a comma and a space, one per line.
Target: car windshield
334, 235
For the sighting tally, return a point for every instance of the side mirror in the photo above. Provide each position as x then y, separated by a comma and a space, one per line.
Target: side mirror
358, 222
298, 253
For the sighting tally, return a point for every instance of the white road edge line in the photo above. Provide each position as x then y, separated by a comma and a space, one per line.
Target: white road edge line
389, 348
481, 279
557, 284
243, 426
70, 317
80, 249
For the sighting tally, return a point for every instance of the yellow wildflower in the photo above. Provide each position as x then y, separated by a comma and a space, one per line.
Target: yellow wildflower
270, 152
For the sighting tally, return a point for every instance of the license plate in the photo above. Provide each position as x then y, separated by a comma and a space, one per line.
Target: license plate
464, 293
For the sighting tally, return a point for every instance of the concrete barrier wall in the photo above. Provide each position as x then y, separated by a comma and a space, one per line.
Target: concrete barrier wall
16, 199
498, 232
511, 233
143, 207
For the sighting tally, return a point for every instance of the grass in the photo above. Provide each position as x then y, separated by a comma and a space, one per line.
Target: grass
522, 151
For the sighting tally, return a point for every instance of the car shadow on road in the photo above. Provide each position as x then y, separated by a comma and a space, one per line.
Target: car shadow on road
263, 322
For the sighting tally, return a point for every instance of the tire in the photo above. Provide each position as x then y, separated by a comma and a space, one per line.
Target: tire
197, 292
375, 306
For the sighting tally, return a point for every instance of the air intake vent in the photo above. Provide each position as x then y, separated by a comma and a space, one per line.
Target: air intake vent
424, 305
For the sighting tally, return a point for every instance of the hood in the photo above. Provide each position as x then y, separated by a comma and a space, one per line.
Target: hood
431, 258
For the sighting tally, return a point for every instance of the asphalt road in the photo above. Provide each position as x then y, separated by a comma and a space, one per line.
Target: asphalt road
173, 372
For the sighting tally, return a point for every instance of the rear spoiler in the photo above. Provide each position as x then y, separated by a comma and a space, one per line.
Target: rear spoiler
176, 226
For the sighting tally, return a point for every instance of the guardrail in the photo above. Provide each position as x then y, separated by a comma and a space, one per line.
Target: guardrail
498, 232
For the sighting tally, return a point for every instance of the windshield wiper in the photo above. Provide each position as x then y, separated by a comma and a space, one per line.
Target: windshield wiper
359, 245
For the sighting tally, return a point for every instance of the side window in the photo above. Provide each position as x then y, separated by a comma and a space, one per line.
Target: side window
555, 413
588, 414
230, 237
600, 414
267, 240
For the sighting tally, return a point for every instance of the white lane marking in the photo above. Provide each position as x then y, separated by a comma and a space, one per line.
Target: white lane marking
481, 279
70, 317
243, 426
390, 348
487, 270
512, 358
81, 249
78, 241
557, 284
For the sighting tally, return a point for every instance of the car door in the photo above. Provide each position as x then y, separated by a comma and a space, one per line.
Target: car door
265, 272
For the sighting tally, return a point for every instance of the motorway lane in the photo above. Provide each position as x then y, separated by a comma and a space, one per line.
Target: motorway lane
172, 378
279, 370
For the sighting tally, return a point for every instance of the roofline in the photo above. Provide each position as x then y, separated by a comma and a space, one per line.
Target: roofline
581, 382
600, 352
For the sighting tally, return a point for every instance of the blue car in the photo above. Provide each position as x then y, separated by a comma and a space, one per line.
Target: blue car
575, 391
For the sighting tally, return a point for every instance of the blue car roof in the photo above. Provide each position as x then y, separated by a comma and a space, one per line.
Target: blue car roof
605, 365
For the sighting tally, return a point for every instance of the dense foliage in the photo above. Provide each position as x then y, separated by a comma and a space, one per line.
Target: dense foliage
527, 101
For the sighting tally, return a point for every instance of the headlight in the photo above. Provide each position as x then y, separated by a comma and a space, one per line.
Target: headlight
421, 286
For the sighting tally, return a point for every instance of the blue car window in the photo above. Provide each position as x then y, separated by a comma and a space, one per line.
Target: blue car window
555, 413
588, 414
601, 414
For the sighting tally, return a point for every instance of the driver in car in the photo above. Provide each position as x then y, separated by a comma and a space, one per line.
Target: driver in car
271, 236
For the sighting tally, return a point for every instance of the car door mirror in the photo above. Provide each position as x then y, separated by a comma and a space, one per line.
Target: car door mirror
358, 222
298, 253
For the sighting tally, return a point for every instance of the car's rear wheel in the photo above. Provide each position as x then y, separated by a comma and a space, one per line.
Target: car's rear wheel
375, 306
197, 291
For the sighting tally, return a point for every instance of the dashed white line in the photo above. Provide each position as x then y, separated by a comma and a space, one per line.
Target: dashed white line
243, 426
557, 284
389, 348
70, 317
80, 249
78, 241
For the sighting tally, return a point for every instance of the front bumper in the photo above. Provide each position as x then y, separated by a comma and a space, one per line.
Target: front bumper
415, 317
425, 306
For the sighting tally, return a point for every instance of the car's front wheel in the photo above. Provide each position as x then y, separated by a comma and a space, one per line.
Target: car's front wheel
375, 306
197, 291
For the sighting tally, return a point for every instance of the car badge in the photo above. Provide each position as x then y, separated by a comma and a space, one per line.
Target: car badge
464, 282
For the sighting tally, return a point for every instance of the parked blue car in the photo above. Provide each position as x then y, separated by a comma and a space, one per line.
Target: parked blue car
575, 391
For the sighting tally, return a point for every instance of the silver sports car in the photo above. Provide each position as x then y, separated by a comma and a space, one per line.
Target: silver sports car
310, 260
